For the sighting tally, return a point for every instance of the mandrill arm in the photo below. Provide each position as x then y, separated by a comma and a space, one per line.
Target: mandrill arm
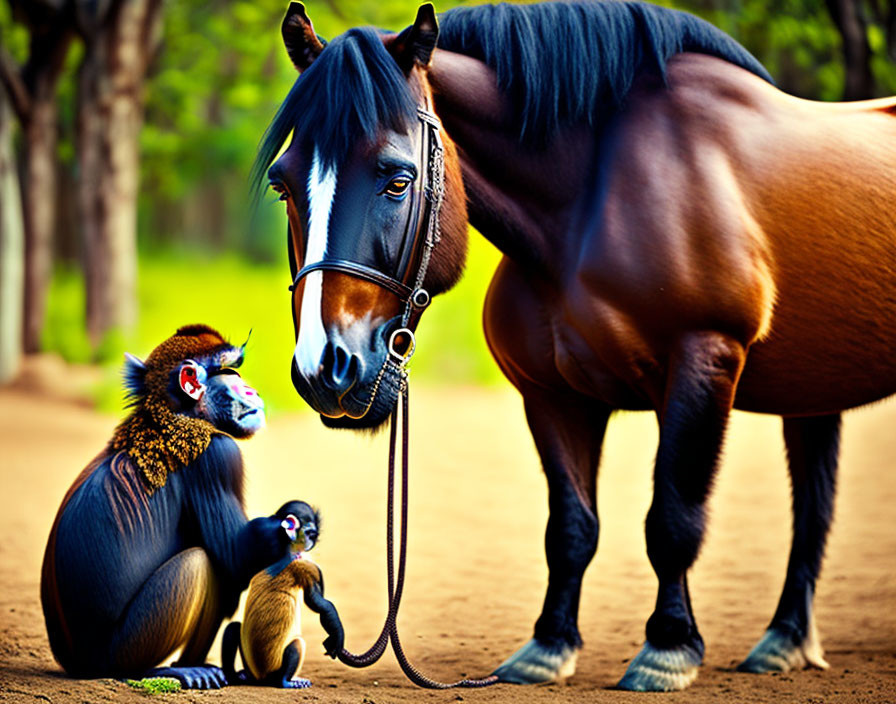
236, 545
329, 617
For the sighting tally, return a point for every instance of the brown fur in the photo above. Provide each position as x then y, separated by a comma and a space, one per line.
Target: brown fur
271, 618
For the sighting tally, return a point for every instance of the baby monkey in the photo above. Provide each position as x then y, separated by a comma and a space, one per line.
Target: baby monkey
269, 639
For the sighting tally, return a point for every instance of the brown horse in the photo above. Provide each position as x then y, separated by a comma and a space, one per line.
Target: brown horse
678, 236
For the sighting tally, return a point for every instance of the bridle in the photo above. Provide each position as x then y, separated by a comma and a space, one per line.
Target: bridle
420, 237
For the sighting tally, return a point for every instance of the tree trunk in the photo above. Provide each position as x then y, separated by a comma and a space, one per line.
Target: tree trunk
848, 17
110, 114
32, 93
38, 204
12, 251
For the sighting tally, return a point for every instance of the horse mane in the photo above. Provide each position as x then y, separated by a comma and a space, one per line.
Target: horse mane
350, 92
565, 62
560, 62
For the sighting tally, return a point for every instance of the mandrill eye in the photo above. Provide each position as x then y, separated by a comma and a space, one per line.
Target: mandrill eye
398, 187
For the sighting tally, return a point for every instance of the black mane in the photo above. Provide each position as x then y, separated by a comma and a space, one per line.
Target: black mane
560, 62
565, 62
350, 92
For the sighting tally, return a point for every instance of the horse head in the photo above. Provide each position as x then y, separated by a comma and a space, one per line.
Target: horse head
371, 184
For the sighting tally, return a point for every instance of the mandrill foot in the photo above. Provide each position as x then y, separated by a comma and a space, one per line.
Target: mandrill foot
536, 663
297, 683
199, 677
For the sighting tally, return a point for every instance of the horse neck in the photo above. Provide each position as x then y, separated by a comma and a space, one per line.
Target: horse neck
520, 198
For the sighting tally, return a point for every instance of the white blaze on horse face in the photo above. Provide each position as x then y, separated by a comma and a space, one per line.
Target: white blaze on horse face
312, 336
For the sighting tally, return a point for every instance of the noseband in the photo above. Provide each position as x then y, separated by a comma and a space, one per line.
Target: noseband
421, 235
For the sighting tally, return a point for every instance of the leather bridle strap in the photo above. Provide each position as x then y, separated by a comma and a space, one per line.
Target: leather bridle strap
360, 271
421, 235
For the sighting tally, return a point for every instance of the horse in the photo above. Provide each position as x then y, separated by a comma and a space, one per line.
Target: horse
678, 236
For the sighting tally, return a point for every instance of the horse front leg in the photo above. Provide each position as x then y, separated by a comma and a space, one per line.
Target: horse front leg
702, 377
791, 640
568, 430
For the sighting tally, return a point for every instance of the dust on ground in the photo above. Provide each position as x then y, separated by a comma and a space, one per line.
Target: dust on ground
477, 573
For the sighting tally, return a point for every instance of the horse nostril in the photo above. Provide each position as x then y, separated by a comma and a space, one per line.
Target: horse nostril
339, 367
341, 364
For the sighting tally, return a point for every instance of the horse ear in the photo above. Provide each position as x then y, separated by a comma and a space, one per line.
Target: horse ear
302, 44
414, 46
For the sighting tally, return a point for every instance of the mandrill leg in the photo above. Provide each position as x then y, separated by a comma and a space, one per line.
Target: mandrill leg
230, 645
293, 659
177, 606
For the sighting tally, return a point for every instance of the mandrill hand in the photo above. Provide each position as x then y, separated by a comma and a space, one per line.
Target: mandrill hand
334, 644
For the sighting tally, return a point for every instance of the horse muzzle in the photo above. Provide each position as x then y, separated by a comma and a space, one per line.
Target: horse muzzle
354, 385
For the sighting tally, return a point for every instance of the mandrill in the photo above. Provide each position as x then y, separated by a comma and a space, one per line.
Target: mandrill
269, 639
151, 547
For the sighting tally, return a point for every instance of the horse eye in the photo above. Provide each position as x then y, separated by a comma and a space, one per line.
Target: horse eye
278, 187
398, 186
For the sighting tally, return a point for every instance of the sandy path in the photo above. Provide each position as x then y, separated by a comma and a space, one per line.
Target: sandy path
477, 570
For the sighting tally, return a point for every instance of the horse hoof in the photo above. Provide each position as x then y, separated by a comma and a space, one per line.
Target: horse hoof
655, 670
777, 652
535, 663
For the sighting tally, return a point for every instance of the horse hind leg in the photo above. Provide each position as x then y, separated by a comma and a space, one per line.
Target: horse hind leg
568, 430
791, 640
703, 374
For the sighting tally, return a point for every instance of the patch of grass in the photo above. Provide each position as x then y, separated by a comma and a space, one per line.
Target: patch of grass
233, 294
155, 685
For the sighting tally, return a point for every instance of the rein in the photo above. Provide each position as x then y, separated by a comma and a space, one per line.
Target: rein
395, 586
420, 237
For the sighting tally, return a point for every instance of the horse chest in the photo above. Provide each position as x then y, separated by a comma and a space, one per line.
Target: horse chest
537, 335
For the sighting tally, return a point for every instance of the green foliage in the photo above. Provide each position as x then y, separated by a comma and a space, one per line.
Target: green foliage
155, 685
64, 330
13, 36
794, 39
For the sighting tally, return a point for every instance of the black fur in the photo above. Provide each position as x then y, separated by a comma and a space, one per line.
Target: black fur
700, 391
813, 446
112, 540
372, 95
569, 62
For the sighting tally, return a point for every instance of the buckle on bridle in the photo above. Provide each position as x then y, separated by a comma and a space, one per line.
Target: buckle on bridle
402, 358
420, 298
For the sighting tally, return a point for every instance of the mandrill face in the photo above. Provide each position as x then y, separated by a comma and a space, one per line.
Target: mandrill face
231, 405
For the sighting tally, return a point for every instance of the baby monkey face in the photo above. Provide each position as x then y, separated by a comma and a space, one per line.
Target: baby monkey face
301, 523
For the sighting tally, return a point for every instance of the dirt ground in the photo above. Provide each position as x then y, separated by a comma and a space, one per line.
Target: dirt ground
476, 565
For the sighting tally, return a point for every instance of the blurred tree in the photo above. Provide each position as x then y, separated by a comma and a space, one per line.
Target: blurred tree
31, 88
120, 38
12, 250
849, 17
804, 42
857, 21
